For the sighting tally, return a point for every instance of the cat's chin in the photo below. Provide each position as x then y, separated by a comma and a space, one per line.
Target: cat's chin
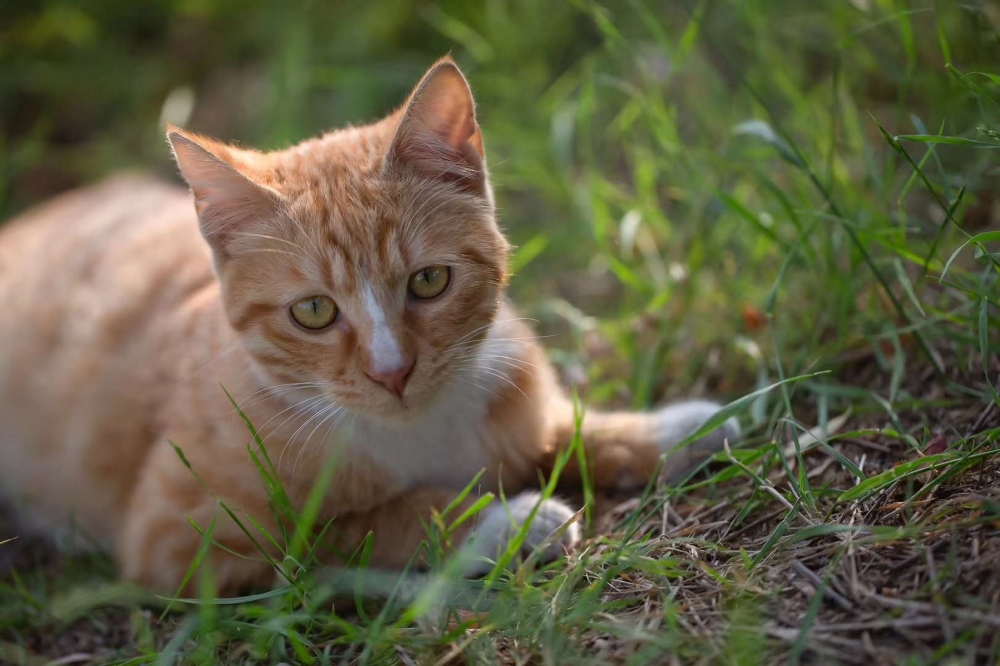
423, 395
397, 411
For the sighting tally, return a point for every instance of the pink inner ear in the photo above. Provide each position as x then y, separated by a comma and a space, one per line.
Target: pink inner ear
438, 133
450, 118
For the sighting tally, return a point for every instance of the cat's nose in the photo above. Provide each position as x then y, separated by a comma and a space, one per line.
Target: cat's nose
394, 379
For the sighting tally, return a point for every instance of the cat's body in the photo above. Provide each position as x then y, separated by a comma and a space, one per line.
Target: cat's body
121, 325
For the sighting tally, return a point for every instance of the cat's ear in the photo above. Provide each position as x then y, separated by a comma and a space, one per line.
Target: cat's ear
227, 199
437, 132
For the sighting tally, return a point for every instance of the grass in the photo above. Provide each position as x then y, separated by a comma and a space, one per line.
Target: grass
708, 198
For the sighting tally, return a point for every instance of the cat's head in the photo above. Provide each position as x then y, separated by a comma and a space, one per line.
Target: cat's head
367, 260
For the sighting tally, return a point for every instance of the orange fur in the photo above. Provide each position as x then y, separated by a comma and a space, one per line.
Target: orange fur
122, 322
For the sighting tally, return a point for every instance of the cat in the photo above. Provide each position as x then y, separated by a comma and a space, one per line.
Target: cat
349, 294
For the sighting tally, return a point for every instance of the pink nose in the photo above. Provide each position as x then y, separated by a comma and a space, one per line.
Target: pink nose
394, 380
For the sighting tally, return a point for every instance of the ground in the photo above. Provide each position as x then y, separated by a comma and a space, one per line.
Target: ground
792, 207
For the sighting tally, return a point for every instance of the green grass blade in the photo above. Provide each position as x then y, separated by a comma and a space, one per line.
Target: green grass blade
885, 479
978, 239
984, 350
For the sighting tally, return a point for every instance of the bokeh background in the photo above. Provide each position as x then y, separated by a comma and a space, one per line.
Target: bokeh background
636, 146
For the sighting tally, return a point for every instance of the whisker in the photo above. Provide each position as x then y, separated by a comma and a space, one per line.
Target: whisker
326, 413
510, 361
500, 375
266, 237
412, 223
493, 323
407, 220
337, 411
485, 341
463, 379
279, 395
310, 420
225, 352
479, 386
294, 222
270, 249
478, 349
340, 414
315, 400
278, 389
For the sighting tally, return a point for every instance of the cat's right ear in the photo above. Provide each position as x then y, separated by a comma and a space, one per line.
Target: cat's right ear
228, 201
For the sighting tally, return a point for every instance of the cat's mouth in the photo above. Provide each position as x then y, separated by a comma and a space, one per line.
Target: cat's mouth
423, 387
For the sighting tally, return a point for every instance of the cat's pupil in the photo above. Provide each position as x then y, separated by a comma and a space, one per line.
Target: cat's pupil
315, 306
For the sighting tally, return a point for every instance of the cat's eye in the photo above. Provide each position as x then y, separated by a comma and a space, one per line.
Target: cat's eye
315, 312
430, 282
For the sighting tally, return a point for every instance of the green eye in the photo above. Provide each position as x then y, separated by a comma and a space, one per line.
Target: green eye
315, 312
430, 282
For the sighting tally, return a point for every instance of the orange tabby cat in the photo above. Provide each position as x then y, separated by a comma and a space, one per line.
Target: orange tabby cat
350, 296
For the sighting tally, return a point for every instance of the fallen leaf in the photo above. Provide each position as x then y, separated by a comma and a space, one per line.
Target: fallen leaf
938, 444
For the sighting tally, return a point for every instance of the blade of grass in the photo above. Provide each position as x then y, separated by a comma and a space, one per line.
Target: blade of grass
984, 327
885, 479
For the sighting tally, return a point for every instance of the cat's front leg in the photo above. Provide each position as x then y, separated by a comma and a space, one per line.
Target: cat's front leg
400, 525
158, 543
497, 525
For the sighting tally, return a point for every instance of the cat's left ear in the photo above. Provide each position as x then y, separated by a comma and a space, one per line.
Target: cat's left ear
437, 132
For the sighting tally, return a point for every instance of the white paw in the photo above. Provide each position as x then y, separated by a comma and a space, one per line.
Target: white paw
679, 420
497, 525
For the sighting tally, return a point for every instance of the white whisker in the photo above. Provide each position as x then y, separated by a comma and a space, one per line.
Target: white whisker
271, 391
500, 375
293, 221
339, 414
310, 420
527, 340
270, 250
313, 401
225, 352
407, 220
325, 413
463, 379
509, 361
266, 237
493, 323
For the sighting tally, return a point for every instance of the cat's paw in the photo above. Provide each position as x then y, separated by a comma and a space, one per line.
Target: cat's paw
498, 524
675, 422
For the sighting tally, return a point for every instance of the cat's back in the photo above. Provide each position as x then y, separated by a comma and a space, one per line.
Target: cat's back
88, 223
91, 263
89, 284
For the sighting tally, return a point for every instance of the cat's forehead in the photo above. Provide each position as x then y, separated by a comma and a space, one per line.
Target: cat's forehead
360, 214
339, 188
336, 162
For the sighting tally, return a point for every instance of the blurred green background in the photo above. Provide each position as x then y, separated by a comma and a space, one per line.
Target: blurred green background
657, 163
